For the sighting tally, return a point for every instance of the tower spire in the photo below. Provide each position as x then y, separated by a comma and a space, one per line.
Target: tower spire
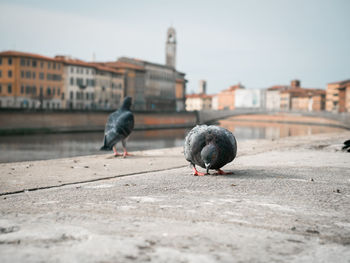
170, 49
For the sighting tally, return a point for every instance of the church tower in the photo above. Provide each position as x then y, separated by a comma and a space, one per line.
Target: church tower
170, 49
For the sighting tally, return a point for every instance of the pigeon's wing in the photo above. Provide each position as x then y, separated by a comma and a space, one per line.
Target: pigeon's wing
226, 143
112, 120
125, 124
194, 143
119, 126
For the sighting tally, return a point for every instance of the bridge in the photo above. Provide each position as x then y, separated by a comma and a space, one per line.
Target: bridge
340, 120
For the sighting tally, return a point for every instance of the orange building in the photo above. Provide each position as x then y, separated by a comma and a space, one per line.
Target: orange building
301, 99
226, 98
338, 96
180, 91
30, 81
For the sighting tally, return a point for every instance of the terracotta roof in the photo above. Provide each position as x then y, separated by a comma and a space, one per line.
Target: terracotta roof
279, 87
25, 54
200, 95
341, 82
121, 65
105, 68
302, 92
70, 61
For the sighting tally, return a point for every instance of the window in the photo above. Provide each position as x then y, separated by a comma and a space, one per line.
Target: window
0, 88
72, 81
9, 73
0, 73
28, 62
71, 70
59, 66
62, 97
71, 95
49, 65
22, 89
34, 75
58, 91
28, 74
9, 88
0, 61
23, 62
34, 90
34, 63
41, 64
22, 74
78, 95
48, 91
87, 71
27, 89
10, 61
54, 65
41, 75
53, 91
41, 91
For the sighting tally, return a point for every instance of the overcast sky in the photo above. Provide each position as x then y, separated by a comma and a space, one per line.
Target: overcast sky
259, 43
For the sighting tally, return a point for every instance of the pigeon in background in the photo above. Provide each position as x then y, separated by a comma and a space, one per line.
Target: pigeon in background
118, 127
346, 146
210, 147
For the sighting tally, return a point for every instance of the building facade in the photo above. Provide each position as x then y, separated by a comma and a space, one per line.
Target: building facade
79, 83
226, 98
338, 96
250, 98
198, 102
180, 91
273, 97
31, 81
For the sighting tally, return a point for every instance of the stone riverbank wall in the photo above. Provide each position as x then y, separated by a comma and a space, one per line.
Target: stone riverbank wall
24, 122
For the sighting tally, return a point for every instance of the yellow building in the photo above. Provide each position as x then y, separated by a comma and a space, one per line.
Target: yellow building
30, 81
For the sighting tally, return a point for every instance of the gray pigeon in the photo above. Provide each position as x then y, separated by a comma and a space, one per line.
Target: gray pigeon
118, 127
210, 147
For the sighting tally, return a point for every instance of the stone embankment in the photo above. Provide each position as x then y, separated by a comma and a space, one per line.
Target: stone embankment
287, 201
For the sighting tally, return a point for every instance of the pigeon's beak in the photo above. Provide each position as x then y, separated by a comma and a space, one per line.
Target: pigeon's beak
207, 166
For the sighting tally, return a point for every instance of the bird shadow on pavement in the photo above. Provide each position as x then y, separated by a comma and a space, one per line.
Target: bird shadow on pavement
249, 174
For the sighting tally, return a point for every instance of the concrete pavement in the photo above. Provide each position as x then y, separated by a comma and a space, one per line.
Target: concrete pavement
287, 201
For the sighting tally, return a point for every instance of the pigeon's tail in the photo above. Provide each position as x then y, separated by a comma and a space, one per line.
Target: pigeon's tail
105, 147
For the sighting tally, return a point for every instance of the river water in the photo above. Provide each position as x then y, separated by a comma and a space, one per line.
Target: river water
50, 146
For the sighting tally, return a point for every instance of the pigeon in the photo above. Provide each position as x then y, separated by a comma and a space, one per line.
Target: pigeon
210, 147
346, 146
118, 127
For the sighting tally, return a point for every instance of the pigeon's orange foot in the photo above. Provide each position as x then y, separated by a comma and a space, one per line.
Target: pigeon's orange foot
117, 154
127, 154
196, 173
221, 172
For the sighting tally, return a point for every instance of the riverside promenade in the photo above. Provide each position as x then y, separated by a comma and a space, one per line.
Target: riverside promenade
288, 200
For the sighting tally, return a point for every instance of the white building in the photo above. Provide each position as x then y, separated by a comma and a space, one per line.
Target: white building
198, 102
250, 98
109, 88
215, 102
273, 97
79, 83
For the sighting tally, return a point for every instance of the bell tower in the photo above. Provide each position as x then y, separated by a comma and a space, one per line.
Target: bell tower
170, 49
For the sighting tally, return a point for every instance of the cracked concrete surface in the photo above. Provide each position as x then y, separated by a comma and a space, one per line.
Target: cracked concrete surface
287, 201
